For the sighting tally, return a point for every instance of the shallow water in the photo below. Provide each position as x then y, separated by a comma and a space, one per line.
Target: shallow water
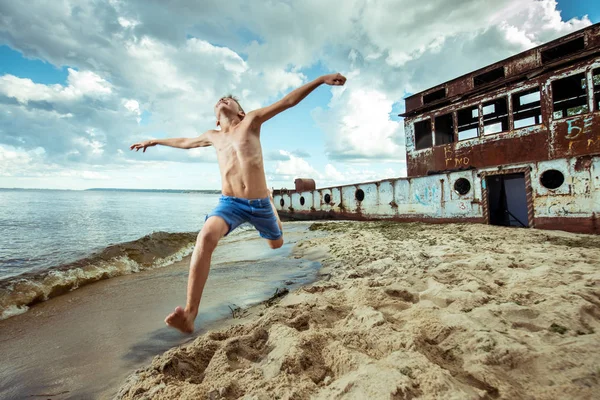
47, 228
84, 343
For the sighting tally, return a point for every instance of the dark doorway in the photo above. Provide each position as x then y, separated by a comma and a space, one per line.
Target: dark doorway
507, 200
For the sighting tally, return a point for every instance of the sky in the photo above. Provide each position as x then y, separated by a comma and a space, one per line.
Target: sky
82, 80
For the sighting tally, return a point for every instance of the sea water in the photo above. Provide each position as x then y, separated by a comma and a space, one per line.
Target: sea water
41, 229
82, 343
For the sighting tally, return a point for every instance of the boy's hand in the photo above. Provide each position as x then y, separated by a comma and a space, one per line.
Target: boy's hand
334, 79
142, 145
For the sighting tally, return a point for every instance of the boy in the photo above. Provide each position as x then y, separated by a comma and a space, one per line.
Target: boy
245, 195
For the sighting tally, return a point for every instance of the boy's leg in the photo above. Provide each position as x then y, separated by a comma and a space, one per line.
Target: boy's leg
275, 212
277, 243
208, 238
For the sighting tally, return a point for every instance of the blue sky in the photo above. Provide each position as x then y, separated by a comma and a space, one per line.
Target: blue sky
80, 81
578, 8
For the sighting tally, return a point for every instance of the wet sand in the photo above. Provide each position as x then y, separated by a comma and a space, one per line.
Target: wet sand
84, 343
409, 311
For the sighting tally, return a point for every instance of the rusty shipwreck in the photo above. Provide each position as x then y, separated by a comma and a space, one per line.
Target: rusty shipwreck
516, 143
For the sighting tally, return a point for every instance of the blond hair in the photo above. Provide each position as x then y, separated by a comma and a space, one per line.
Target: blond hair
232, 97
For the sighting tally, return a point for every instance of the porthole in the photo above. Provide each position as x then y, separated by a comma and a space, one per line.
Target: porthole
552, 179
302, 200
359, 195
327, 198
462, 186
281, 202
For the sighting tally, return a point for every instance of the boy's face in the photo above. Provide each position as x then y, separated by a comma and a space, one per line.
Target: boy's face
226, 103
229, 106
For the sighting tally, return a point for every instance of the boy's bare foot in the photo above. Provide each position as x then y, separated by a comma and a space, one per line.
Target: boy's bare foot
181, 320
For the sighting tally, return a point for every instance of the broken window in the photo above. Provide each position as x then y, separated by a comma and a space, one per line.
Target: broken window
569, 96
423, 138
433, 96
468, 123
563, 50
487, 77
596, 81
444, 129
527, 109
495, 116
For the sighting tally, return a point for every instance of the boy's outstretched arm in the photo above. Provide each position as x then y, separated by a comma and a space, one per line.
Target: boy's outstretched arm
296, 96
180, 143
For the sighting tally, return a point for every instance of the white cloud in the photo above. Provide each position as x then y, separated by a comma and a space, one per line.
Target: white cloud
294, 167
134, 108
358, 124
80, 83
286, 171
31, 164
86, 83
164, 59
12, 161
127, 23
333, 174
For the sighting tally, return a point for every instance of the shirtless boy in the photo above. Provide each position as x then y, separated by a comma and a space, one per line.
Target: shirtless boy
245, 195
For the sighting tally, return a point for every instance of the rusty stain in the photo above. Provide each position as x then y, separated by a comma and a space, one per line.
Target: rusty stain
570, 146
583, 163
304, 184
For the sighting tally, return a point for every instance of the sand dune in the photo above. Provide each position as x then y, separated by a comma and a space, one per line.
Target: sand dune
409, 311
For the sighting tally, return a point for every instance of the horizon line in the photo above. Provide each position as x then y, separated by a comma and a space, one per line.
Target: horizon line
114, 189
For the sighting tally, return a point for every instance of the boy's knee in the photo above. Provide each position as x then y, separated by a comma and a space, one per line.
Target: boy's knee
275, 244
208, 238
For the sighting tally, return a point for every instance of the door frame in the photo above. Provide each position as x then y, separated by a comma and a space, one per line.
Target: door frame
528, 191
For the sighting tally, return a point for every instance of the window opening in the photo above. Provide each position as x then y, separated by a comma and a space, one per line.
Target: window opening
423, 137
468, 123
596, 81
433, 96
495, 116
302, 201
527, 109
462, 186
569, 96
487, 77
444, 129
359, 195
281, 202
563, 50
327, 198
552, 179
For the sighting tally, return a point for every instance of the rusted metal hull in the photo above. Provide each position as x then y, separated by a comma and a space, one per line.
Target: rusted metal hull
551, 139
516, 143
575, 225
574, 206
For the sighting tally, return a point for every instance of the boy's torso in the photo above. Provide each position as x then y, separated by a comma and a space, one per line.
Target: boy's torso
240, 159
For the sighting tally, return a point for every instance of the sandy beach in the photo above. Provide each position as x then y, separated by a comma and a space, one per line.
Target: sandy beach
408, 311
83, 343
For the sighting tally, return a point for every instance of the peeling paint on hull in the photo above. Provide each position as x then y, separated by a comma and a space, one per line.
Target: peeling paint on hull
574, 206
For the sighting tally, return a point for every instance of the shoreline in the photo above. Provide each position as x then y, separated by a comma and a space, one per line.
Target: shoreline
408, 310
83, 343
156, 250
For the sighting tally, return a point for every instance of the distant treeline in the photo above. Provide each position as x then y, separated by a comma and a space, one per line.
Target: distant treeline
155, 190
119, 190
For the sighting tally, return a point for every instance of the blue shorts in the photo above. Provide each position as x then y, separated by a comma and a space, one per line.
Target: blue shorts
259, 212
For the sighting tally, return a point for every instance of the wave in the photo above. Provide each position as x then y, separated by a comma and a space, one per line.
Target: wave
159, 249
